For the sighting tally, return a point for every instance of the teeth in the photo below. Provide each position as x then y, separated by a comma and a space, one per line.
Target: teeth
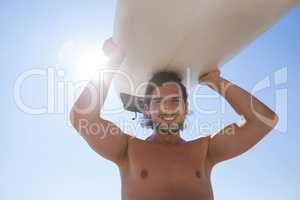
169, 118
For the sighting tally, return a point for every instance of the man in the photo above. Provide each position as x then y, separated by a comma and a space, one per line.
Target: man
165, 166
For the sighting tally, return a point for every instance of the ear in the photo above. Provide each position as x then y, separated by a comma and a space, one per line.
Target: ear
186, 108
146, 109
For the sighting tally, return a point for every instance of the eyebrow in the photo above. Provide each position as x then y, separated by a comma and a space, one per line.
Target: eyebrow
160, 98
157, 98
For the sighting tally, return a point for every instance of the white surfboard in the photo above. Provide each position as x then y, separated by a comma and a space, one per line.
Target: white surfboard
188, 36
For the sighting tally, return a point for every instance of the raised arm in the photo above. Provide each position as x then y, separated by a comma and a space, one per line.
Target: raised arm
103, 136
235, 139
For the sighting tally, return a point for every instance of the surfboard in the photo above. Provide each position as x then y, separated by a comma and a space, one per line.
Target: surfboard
190, 37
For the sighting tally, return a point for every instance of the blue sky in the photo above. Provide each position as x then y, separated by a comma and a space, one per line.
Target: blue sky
41, 156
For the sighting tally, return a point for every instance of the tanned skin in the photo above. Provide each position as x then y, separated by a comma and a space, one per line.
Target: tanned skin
165, 166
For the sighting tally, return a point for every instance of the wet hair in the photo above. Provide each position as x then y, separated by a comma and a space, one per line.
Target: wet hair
157, 80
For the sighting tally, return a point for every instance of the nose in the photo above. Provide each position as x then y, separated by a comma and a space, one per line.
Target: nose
169, 107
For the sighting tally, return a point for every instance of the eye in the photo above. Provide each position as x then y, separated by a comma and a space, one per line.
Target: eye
156, 100
176, 99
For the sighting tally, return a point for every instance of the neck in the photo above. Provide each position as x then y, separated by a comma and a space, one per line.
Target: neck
161, 138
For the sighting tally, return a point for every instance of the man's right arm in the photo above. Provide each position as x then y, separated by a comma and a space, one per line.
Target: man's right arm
103, 136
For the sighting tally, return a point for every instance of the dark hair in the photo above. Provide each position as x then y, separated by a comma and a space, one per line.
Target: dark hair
157, 80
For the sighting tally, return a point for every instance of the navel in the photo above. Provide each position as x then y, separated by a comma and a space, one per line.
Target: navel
144, 174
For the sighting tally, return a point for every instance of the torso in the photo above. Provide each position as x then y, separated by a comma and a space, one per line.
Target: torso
166, 171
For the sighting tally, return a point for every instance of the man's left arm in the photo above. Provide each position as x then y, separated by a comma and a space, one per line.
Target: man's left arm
235, 139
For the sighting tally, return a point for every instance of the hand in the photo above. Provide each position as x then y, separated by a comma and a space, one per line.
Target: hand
211, 78
113, 51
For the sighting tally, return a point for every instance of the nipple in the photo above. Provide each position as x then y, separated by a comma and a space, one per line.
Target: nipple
144, 174
198, 174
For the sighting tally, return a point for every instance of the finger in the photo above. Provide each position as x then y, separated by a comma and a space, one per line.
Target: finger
109, 47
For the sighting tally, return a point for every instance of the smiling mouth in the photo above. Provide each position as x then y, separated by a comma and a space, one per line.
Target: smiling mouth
167, 117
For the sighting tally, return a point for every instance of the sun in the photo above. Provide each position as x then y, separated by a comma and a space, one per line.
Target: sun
84, 59
90, 61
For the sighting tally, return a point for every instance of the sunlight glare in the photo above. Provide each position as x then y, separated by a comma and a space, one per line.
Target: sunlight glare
84, 59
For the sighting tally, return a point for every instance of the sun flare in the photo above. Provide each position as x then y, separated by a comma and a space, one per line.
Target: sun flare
84, 59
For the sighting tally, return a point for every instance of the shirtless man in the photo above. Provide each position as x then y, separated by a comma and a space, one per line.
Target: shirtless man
165, 166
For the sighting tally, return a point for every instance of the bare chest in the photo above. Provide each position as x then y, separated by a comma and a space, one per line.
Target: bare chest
167, 169
165, 161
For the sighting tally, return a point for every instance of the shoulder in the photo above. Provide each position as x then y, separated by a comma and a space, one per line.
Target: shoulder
203, 141
200, 146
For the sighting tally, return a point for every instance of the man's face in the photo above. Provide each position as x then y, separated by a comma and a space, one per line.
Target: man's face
167, 106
